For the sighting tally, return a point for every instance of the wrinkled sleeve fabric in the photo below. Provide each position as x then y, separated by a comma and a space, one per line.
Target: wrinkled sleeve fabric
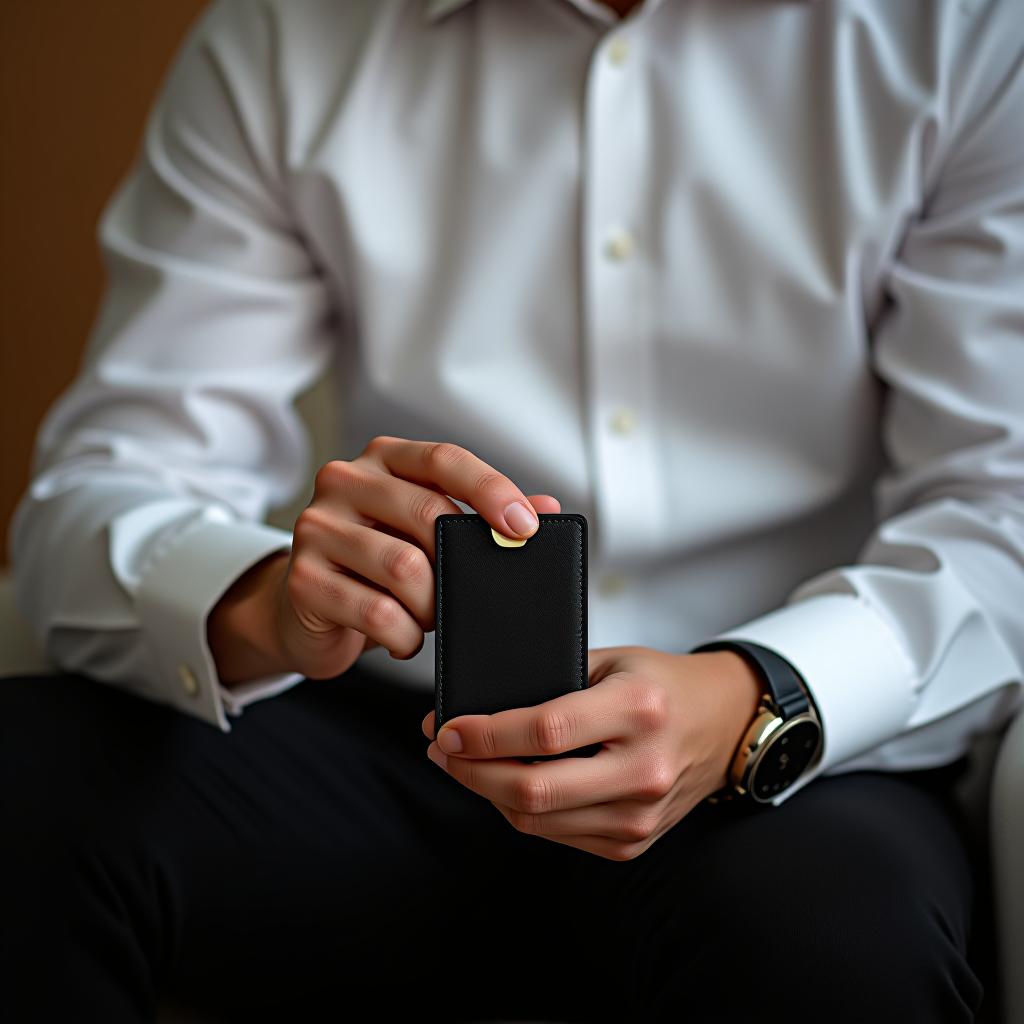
920, 644
153, 471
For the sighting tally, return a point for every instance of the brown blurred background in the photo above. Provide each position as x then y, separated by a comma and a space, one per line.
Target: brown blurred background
76, 81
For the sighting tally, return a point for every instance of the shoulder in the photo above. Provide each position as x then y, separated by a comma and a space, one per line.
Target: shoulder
310, 25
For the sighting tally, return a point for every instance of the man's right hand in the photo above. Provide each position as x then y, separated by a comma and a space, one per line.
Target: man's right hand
360, 573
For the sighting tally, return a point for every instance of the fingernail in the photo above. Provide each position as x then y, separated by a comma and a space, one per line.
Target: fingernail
450, 741
438, 757
520, 519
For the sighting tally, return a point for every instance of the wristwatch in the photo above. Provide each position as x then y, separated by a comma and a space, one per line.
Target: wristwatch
783, 740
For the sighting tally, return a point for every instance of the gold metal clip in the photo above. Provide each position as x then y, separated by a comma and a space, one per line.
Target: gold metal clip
507, 542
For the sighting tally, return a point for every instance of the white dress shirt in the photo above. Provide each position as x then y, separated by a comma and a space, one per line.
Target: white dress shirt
742, 281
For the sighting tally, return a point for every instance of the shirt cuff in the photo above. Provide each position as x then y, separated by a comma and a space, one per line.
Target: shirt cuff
860, 679
181, 583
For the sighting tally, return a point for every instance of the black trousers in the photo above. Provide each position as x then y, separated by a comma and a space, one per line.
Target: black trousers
314, 859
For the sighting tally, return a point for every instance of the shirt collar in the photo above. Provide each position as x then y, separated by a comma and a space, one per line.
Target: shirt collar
439, 8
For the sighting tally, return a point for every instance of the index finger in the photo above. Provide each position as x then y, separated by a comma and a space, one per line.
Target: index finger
557, 726
461, 474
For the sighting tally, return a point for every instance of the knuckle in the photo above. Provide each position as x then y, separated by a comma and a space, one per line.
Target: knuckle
530, 824
425, 507
407, 564
306, 528
307, 579
300, 576
311, 524
650, 709
332, 476
443, 454
378, 442
381, 611
488, 741
532, 796
552, 732
638, 828
491, 485
655, 780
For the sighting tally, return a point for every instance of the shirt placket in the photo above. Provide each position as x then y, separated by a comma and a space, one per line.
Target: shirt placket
617, 264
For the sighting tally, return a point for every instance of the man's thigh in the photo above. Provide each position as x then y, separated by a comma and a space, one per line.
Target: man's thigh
851, 901
315, 856
312, 856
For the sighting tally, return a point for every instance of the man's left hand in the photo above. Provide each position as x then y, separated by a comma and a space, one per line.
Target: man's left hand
668, 725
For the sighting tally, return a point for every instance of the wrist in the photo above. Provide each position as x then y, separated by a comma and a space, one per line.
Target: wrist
785, 737
738, 690
241, 629
743, 688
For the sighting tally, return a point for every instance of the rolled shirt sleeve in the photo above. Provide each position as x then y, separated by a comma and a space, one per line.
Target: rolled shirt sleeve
153, 471
920, 644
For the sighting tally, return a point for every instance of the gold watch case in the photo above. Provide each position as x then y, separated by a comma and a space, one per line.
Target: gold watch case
765, 733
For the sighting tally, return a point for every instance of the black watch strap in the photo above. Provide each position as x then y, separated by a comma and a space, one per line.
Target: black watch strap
783, 681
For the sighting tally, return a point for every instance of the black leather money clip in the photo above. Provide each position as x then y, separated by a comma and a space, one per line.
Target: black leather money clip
511, 622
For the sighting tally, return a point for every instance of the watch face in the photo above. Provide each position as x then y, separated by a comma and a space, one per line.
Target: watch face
784, 758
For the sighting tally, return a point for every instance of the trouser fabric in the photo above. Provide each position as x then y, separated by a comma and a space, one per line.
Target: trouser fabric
313, 860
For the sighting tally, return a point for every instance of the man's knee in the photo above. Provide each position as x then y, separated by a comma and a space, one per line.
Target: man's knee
850, 902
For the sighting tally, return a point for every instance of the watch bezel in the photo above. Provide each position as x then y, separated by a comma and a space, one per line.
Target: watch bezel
765, 731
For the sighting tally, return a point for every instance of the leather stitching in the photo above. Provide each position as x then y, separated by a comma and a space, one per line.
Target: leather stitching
582, 680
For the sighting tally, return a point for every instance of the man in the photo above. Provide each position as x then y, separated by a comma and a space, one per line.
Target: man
741, 281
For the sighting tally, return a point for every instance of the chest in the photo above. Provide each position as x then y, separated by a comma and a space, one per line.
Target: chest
706, 167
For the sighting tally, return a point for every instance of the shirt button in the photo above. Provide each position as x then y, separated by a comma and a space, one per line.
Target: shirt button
619, 246
622, 421
189, 683
611, 584
618, 51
